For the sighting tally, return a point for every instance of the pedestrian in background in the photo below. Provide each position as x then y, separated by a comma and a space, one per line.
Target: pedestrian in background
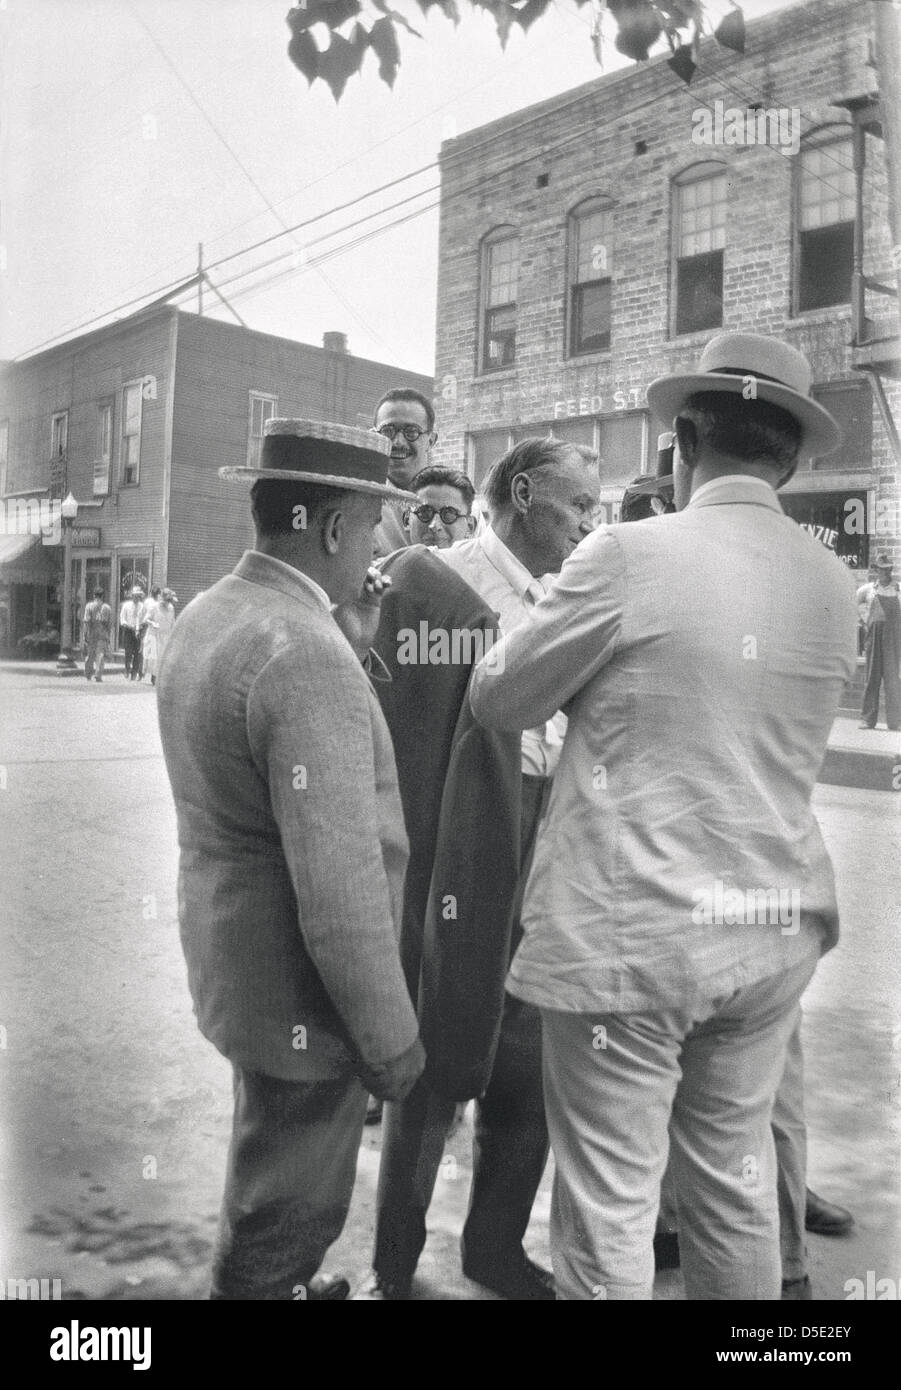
98, 622
160, 621
130, 619
883, 649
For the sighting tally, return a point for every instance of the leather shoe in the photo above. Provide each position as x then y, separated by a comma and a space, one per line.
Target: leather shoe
666, 1250
824, 1219
518, 1279
375, 1289
327, 1288
797, 1290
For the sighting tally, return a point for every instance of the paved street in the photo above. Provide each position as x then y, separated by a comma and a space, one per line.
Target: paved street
116, 1111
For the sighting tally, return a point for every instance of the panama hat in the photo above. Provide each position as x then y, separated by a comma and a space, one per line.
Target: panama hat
316, 451
659, 484
774, 372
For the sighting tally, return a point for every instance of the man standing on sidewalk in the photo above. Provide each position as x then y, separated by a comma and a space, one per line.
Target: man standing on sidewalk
130, 622
292, 855
98, 621
883, 649
407, 420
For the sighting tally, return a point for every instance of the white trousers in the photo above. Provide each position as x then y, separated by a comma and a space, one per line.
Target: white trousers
625, 1091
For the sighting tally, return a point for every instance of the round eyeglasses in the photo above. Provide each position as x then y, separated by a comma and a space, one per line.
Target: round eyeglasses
426, 514
410, 432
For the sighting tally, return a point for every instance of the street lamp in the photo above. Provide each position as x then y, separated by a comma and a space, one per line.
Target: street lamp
69, 511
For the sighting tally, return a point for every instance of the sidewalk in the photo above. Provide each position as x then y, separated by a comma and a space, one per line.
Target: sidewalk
856, 757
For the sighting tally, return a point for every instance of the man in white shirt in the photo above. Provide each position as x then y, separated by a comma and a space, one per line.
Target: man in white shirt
542, 496
130, 620
406, 419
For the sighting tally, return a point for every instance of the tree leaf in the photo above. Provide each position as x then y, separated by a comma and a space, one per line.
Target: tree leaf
397, 17
304, 54
383, 42
332, 13
526, 14
448, 7
339, 62
504, 16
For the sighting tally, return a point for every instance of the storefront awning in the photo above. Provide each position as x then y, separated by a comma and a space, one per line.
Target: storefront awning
26, 560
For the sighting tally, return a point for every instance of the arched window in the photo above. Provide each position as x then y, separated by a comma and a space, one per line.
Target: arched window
824, 220
699, 221
590, 275
500, 282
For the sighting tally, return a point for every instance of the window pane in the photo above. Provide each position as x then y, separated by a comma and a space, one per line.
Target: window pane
500, 338
702, 216
503, 271
827, 262
132, 409
852, 405
591, 315
593, 250
487, 447
699, 292
620, 446
827, 185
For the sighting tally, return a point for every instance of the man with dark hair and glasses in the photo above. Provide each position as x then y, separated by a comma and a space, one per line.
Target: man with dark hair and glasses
444, 514
406, 419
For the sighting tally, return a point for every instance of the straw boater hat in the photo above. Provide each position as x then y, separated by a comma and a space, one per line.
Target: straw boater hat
781, 375
315, 451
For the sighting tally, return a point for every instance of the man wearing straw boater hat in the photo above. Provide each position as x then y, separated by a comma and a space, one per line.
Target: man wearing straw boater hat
681, 893
293, 853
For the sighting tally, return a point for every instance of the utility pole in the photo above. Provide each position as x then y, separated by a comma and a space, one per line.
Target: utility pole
887, 30
200, 277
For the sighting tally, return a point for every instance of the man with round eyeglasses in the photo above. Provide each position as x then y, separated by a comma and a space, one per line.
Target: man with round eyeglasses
444, 513
407, 419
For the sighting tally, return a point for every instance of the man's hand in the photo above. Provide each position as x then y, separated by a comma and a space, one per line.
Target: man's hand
394, 1080
359, 619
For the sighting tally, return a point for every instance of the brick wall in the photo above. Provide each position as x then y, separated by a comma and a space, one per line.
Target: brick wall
589, 142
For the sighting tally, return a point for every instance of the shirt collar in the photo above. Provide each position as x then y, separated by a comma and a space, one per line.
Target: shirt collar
761, 491
505, 562
254, 565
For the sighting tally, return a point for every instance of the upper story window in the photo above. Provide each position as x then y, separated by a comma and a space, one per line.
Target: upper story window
700, 234
590, 277
132, 397
104, 458
851, 402
500, 279
59, 433
262, 408
825, 213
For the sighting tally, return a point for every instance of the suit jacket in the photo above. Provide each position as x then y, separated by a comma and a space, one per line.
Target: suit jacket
292, 846
701, 658
389, 535
461, 791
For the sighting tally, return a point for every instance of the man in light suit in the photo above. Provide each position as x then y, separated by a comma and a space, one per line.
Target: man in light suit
681, 893
406, 419
293, 854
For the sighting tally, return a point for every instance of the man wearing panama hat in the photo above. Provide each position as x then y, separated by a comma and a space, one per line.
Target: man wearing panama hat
681, 892
293, 853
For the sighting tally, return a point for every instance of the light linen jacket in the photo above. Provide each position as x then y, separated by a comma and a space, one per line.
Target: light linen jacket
700, 658
291, 831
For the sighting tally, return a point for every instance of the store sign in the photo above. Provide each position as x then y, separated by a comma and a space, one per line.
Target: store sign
88, 536
598, 405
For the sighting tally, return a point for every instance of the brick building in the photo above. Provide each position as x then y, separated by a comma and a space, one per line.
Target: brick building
608, 233
135, 419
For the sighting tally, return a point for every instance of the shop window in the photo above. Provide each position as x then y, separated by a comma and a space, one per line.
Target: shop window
621, 446
132, 397
263, 407
700, 236
590, 278
825, 224
500, 284
484, 449
104, 460
851, 402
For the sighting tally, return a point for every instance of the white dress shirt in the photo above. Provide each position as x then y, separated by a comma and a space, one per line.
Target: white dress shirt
491, 568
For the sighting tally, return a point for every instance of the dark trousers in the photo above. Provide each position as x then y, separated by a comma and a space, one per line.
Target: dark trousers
882, 668
510, 1145
291, 1168
132, 651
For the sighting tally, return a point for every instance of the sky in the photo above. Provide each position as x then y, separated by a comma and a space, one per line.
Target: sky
132, 130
